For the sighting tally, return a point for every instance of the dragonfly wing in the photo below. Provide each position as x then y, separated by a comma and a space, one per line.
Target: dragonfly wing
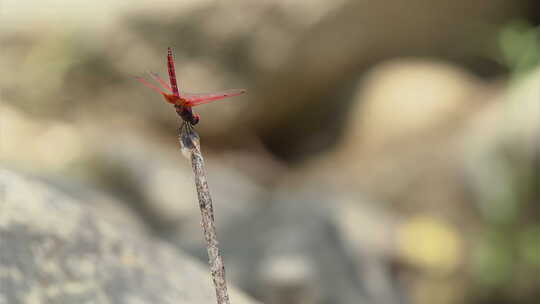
157, 78
199, 99
148, 84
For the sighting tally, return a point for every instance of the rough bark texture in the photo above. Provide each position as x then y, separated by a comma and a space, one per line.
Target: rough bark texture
190, 142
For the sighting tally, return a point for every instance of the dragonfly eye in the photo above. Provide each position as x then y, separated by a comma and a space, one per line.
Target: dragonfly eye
196, 119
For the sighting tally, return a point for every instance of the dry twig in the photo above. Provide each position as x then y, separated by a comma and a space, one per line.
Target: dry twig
189, 142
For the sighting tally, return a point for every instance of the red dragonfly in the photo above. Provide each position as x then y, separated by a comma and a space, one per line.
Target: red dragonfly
183, 102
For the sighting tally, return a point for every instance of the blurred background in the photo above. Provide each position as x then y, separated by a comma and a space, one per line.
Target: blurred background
386, 151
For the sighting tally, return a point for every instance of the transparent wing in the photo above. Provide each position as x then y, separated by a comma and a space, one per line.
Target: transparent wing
198, 99
148, 84
157, 78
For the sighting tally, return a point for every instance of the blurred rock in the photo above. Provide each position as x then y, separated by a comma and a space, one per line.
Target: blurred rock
158, 182
145, 171
291, 251
152, 176
460, 167
369, 234
294, 58
288, 279
404, 149
55, 250
404, 100
403, 144
31, 143
308, 87
453, 159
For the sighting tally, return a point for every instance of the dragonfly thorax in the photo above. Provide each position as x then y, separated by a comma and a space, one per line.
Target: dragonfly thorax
187, 114
173, 99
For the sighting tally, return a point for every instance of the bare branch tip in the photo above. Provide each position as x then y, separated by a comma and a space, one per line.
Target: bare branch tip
189, 141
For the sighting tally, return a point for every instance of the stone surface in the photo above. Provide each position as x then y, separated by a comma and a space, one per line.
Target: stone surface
53, 249
403, 143
403, 100
291, 250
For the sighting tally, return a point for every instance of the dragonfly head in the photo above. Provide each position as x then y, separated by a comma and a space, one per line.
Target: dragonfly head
195, 119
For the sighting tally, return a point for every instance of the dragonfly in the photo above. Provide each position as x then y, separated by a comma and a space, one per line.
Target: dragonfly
184, 102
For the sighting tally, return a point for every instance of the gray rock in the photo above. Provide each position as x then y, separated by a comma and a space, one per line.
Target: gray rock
53, 249
291, 251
